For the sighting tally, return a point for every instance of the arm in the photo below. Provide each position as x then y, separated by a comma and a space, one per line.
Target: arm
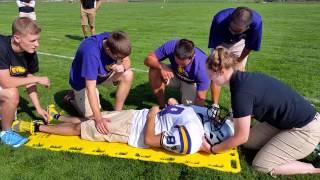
98, 5
150, 138
32, 92
93, 100
200, 98
20, 4
153, 62
241, 135
8, 81
100, 122
245, 52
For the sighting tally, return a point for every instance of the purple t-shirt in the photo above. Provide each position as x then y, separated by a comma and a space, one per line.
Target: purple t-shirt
90, 62
219, 32
195, 72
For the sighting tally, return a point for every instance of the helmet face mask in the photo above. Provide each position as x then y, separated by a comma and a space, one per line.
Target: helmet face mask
217, 129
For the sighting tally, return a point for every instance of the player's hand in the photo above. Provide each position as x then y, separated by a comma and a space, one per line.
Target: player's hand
118, 68
102, 125
44, 80
43, 113
166, 72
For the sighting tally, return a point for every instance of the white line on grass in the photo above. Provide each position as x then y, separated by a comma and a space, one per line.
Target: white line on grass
69, 57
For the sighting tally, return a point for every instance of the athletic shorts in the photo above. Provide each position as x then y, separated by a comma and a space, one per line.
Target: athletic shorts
119, 127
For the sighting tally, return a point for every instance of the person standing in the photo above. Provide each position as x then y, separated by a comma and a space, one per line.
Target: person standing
88, 11
18, 63
26, 8
101, 59
186, 72
240, 31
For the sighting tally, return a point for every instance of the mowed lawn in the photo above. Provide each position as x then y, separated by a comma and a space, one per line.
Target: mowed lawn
290, 52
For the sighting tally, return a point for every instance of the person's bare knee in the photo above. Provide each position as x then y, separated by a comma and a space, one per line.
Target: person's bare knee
11, 96
127, 76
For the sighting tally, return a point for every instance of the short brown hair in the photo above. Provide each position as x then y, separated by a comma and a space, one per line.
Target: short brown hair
25, 25
241, 16
184, 49
221, 58
119, 43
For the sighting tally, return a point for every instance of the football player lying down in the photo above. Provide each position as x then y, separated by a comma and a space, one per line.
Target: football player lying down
176, 128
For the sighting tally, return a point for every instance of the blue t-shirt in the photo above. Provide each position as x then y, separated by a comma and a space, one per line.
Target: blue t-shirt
219, 31
195, 72
91, 62
268, 100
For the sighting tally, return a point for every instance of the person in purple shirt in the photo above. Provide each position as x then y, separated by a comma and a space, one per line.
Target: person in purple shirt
100, 59
240, 31
187, 71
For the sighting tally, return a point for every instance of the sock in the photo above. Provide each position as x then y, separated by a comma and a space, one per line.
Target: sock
56, 116
36, 127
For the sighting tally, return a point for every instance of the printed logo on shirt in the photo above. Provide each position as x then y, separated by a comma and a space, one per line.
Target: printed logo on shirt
17, 70
182, 75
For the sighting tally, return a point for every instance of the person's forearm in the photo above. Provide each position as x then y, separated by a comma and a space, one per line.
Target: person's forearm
33, 94
227, 144
245, 52
15, 82
93, 101
150, 138
98, 5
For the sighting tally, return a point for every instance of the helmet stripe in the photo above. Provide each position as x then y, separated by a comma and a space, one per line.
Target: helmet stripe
185, 140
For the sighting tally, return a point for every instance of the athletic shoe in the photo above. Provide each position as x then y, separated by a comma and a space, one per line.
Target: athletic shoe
53, 113
27, 126
11, 138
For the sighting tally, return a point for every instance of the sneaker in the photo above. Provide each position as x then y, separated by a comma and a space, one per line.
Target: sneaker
21, 126
27, 126
53, 113
11, 138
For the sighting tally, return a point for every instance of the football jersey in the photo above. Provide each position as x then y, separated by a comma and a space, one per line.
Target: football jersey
180, 128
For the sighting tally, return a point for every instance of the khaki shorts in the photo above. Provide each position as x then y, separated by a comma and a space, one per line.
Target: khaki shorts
188, 90
88, 17
81, 101
237, 49
279, 147
31, 15
119, 127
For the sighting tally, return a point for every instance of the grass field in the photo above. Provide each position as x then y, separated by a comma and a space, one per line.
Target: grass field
290, 52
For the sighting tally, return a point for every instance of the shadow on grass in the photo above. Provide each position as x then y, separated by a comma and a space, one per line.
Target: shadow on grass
24, 107
141, 96
58, 98
74, 37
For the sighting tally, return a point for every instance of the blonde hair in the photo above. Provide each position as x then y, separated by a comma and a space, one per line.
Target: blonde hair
221, 58
25, 25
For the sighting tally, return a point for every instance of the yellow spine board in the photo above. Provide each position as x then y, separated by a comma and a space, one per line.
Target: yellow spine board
227, 161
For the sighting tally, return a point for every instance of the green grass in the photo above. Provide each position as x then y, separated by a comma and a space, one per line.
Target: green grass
290, 52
